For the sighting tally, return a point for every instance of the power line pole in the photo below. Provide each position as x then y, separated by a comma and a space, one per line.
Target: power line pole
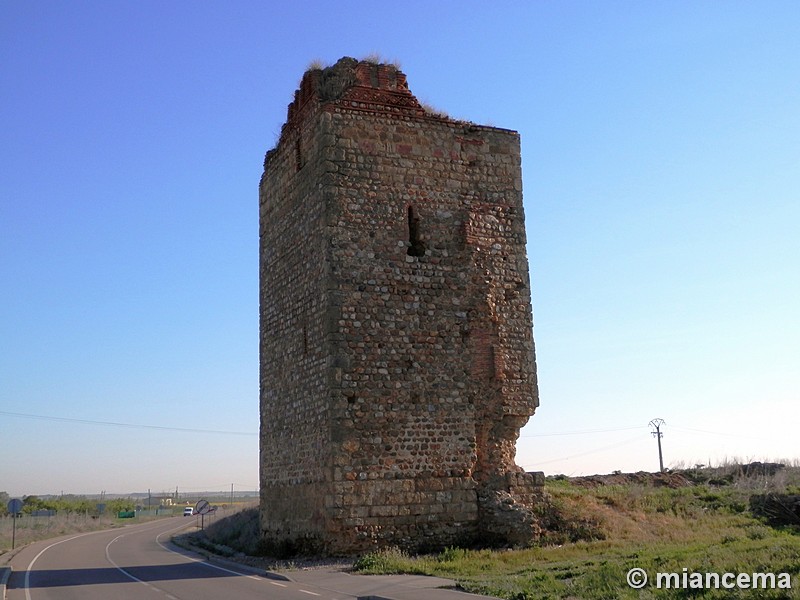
656, 424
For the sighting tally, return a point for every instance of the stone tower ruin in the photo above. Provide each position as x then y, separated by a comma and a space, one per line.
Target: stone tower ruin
397, 356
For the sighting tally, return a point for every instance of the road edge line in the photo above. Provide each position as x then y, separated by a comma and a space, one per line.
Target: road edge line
213, 558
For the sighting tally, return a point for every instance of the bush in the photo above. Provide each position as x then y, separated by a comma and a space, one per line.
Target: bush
390, 560
564, 520
451, 554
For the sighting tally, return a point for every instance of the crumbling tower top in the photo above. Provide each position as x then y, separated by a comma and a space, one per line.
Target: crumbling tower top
357, 84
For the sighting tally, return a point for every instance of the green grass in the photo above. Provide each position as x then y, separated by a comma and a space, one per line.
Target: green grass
594, 570
598, 533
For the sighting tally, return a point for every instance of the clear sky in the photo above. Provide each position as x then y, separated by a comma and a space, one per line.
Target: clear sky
661, 165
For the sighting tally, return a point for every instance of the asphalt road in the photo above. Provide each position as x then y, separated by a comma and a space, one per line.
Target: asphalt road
138, 563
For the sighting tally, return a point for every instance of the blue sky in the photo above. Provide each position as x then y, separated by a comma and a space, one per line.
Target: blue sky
661, 166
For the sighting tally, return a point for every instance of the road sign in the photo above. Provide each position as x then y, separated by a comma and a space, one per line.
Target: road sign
202, 507
14, 507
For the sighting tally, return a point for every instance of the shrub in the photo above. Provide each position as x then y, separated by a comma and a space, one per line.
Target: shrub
382, 561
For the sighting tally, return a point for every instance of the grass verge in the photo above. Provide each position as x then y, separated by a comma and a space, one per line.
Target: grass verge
598, 528
598, 532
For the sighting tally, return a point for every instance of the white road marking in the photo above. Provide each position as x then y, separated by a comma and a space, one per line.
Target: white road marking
123, 571
309, 593
27, 584
200, 560
133, 577
35, 558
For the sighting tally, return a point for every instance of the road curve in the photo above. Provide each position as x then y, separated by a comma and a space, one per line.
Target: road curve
137, 563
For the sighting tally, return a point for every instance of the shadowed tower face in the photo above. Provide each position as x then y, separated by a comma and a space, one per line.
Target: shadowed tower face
397, 357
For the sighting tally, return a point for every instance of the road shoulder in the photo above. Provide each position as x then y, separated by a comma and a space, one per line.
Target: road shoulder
336, 579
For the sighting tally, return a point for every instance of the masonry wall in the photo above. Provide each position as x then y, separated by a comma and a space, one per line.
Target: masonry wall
397, 349
295, 413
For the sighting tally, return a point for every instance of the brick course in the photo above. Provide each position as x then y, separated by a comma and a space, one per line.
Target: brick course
397, 357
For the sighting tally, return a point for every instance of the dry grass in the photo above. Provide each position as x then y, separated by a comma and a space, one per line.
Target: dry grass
598, 533
33, 529
316, 64
377, 58
236, 532
434, 111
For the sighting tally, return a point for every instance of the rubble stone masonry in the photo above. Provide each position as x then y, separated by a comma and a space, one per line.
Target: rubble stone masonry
397, 356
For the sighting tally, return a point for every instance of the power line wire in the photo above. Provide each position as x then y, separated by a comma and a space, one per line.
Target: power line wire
248, 433
617, 445
581, 432
127, 425
734, 435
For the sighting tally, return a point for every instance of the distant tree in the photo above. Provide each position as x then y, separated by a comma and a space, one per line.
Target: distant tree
4, 498
32, 503
118, 505
80, 505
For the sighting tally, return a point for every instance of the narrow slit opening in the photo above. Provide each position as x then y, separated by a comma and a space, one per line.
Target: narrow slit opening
415, 245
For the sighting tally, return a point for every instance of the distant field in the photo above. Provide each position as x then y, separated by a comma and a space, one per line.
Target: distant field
32, 529
35, 528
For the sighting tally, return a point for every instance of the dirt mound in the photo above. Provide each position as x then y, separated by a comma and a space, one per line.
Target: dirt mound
672, 480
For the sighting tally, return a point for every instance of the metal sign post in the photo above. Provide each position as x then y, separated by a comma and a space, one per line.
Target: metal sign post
202, 508
14, 507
